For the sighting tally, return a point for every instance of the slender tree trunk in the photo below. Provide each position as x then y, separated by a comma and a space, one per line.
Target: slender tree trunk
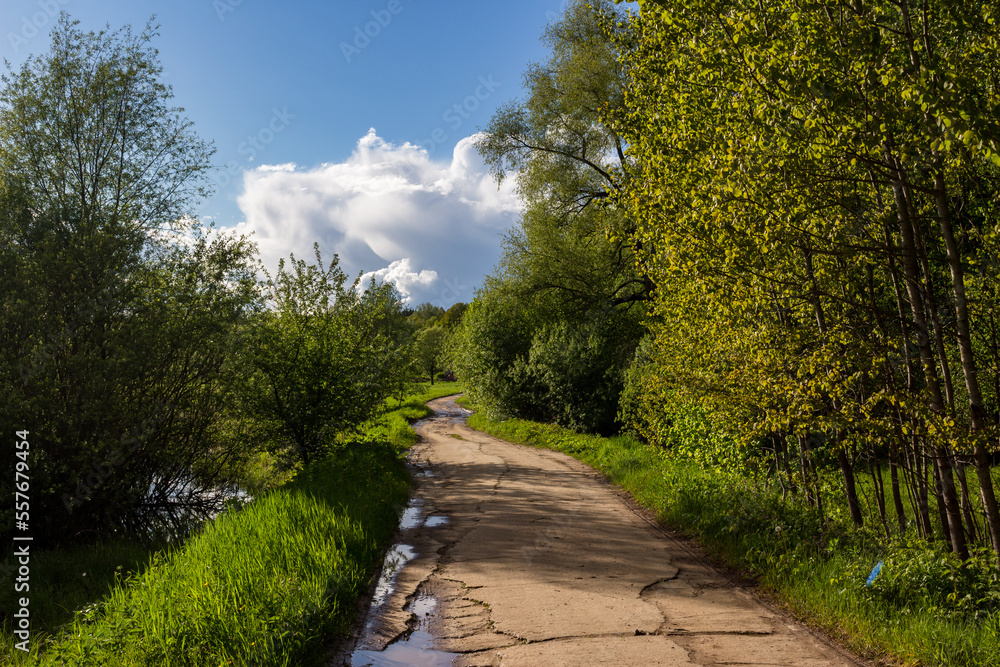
804, 467
930, 304
776, 452
971, 526
897, 498
969, 370
944, 519
787, 460
876, 472
849, 486
921, 488
917, 309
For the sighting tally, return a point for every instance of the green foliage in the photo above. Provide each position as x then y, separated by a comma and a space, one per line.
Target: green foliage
395, 425
578, 374
70, 577
430, 349
814, 194
118, 315
323, 361
570, 244
90, 139
267, 585
550, 334
491, 347
426, 315
453, 316
916, 574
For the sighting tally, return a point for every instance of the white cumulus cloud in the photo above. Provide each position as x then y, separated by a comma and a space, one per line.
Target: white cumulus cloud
432, 227
402, 275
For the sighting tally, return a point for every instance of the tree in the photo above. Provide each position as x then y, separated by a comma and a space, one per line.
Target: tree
491, 350
453, 316
812, 184
569, 158
326, 355
426, 315
568, 273
430, 349
94, 140
120, 314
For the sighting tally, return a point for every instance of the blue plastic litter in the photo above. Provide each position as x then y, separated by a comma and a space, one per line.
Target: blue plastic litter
871, 577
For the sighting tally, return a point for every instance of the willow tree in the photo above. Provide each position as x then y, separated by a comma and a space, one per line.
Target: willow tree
568, 159
568, 270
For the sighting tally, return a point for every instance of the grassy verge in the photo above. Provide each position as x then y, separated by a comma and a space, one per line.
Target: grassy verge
268, 585
65, 579
394, 425
923, 609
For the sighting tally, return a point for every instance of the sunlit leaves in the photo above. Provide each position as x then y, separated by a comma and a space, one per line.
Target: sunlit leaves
765, 139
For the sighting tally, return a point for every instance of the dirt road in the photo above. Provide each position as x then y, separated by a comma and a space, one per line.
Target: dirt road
527, 557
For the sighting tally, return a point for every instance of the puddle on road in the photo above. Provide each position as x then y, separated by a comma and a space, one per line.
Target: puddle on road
395, 559
415, 650
415, 647
411, 515
452, 412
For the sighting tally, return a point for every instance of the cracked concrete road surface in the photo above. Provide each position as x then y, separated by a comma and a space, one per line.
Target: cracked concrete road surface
541, 562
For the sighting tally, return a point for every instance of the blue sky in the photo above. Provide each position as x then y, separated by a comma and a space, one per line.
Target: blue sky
346, 123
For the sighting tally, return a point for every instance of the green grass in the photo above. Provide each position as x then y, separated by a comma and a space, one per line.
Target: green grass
268, 585
914, 614
394, 425
64, 580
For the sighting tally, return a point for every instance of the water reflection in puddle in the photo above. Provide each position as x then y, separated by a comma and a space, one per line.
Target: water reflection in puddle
394, 561
411, 515
415, 647
415, 650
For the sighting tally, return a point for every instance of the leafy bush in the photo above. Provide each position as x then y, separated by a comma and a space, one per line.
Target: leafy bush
563, 371
576, 370
917, 574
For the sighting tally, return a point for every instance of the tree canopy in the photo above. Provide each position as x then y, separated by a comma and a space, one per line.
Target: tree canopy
117, 312
550, 334
813, 189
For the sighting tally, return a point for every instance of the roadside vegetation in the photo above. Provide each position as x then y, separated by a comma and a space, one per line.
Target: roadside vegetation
759, 250
268, 584
394, 426
215, 445
272, 582
925, 606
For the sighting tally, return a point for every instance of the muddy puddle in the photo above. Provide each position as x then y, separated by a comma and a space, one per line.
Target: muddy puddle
415, 646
